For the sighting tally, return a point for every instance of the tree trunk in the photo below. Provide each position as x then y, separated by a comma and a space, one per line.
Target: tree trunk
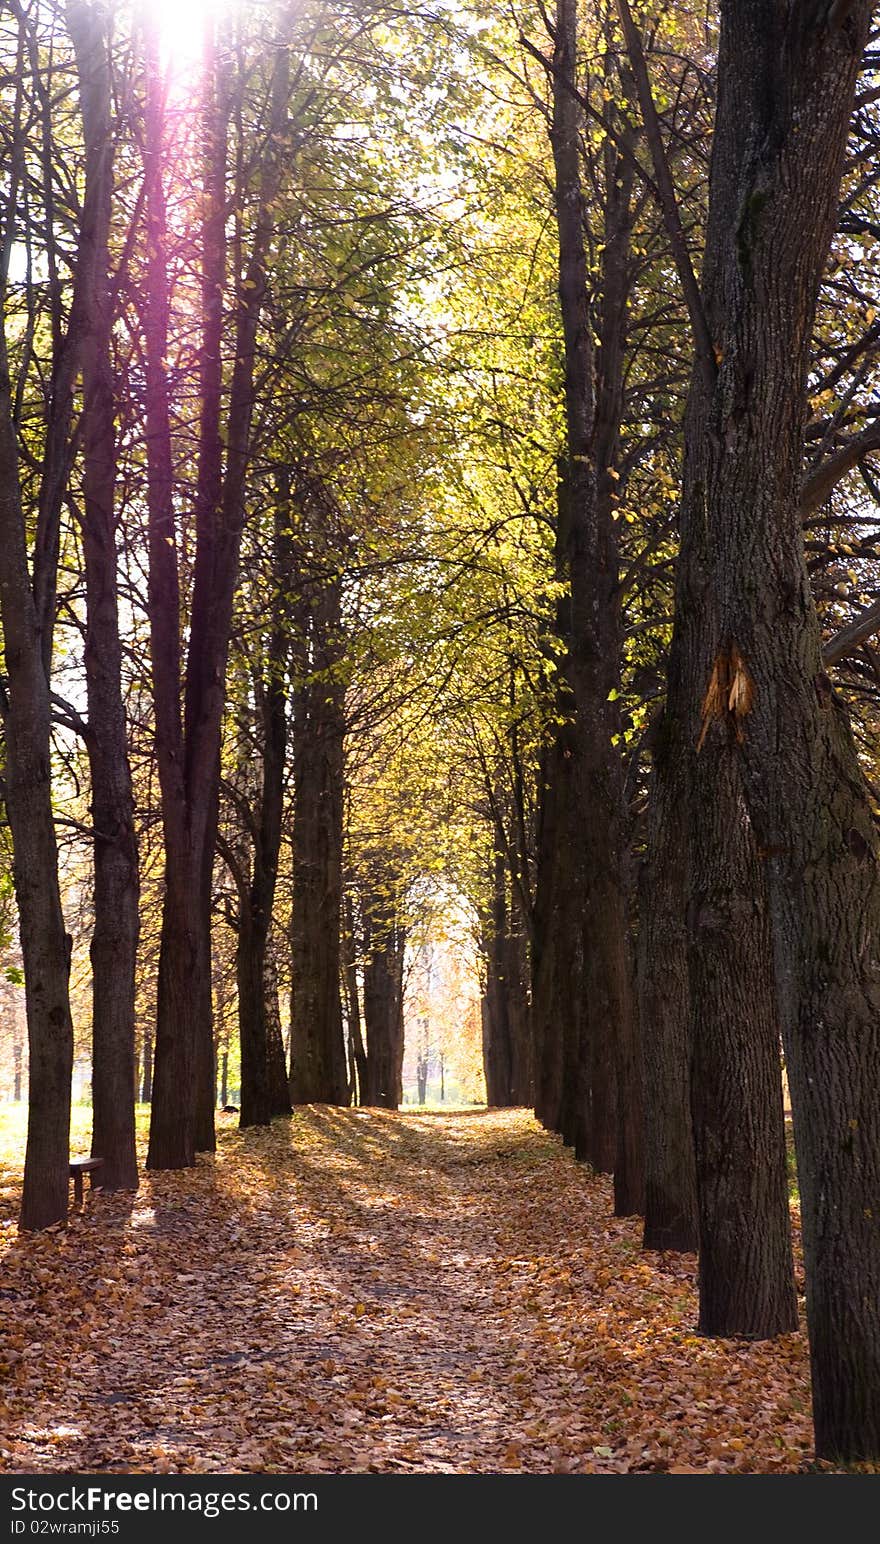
599, 1109
498, 997
117, 885
664, 1009
27, 611
786, 90
221, 1029
496, 1041
358, 1050
557, 990
28, 798
498, 1052
705, 909
318, 1073
188, 753
147, 1088
261, 1093
27, 646
184, 979
616, 1127
318, 1069
276, 1059
214, 560
746, 1270
383, 1014
250, 973
264, 1082
179, 989
556, 943
715, 1152
516, 975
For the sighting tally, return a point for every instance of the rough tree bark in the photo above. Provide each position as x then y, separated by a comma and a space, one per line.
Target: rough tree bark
28, 798
384, 946
746, 1267
117, 887
760, 697
710, 1035
201, 750
671, 1220
505, 1009
617, 1115
556, 954
558, 944
508, 810
520, 1008
715, 1140
172, 1138
261, 1097
494, 1009
276, 1058
599, 1107
188, 748
318, 1071
27, 614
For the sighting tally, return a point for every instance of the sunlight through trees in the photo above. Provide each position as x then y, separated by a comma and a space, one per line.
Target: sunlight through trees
439, 501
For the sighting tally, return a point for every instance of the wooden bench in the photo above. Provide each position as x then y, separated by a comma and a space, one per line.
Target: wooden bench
79, 1167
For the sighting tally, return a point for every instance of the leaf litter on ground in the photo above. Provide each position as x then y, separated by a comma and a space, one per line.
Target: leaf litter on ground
372, 1291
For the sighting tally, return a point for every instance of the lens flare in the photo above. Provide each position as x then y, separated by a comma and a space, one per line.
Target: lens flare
182, 26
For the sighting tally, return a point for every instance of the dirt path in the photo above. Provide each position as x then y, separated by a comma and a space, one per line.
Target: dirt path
360, 1290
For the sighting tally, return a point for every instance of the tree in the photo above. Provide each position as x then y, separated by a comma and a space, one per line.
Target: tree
117, 888
710, 1029
384, 944
27, 612
507, 1041
588, 1071
757, 694
318, 1072
189, 710
257, 795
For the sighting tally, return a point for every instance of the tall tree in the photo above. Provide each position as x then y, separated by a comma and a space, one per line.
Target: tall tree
588, 1070
383, 982
507, 1045
188, 740
27, 613
258, 798
710, 1025
758, 694
117, 888
28, 800
318, 1071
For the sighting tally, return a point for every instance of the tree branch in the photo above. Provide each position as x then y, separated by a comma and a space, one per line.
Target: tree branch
853, 636
820, 483
667, 197
68, 716
240, 879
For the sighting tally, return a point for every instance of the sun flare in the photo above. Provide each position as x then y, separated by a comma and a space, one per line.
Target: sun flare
182, 25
